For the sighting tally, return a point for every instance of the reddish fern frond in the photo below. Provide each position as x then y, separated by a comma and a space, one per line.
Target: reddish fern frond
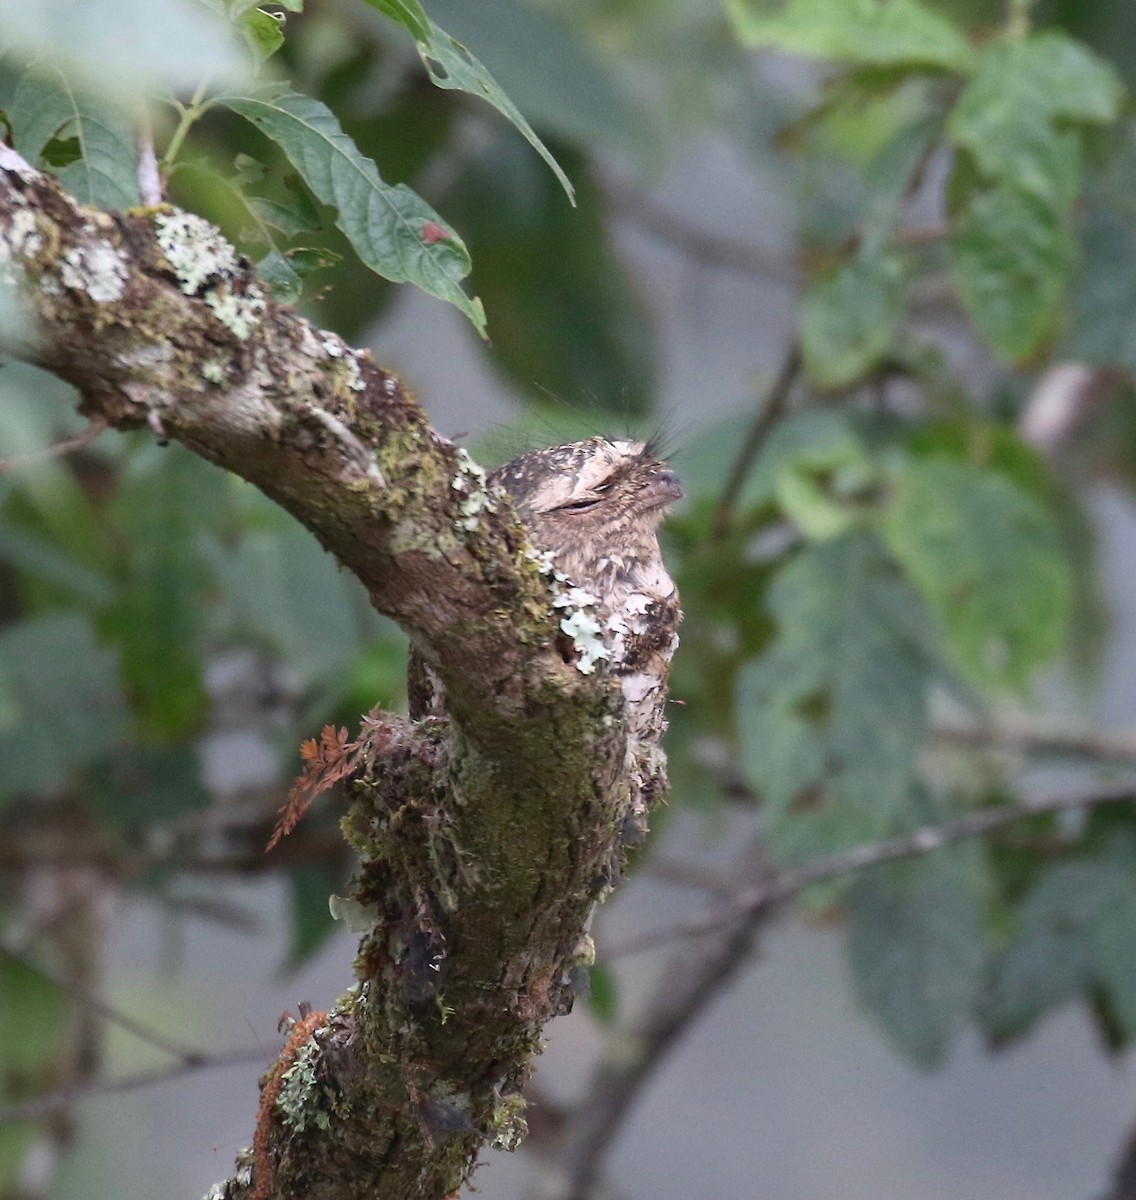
326, 762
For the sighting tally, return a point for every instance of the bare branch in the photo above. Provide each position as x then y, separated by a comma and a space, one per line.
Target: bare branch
108, 1012
771, 410
755, 899
1092, 745
487, 832
636, 206
64, 1098
80, 441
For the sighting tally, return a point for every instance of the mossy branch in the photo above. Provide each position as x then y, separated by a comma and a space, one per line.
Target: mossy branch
488, 834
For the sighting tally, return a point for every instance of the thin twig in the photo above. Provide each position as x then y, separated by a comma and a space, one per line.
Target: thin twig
94, 1003
769, 413
636, 205
755, 899
63, 1098
700, 972
80, 441
687, 986
1029, 739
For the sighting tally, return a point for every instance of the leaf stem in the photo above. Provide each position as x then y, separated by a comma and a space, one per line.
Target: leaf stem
190, 113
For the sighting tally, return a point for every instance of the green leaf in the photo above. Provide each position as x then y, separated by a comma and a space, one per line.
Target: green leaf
263, 33
407, 13
579, 328
881, 32
1006, 117
819, 491
143, 786
1011, 257
552, 74
1055, 951
1114, 950
312, 923
156, 618
281, 589
126, 48
831, 715
916, 947
989, 561
451, 65
60, 707
393, 230
1103, 321
603, 994
848, 321
47, 105
45, 560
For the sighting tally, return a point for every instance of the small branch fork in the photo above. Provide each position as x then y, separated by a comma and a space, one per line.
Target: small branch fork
724, 940
418, 1081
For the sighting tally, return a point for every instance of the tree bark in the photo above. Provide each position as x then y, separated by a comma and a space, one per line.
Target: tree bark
486, 835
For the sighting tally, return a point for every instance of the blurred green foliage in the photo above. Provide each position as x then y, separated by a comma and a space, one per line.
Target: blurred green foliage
880, 542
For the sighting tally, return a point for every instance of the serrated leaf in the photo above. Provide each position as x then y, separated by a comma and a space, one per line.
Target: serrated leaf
451, 65
849, 320
157, 615
390, 228
263, 33
881, 32
831, 715
60, 705
1006, 116
1103, 320
916, 948
581, 331
554, 76
48, 105
1053, 954
407, 13
1011, 257
989, 561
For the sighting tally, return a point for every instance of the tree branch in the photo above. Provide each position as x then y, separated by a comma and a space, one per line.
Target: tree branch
488, 834
725, 937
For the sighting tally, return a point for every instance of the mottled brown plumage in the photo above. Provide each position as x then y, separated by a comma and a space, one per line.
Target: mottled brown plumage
594, 506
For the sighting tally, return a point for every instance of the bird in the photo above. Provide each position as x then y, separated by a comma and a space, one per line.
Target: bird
592, 510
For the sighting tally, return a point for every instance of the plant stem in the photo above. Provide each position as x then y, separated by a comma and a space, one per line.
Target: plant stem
190, 113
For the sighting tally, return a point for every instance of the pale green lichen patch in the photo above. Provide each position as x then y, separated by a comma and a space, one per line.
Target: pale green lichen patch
198, 254
98, 269
239, 313
23, 239
579, 620
471, 483
195, 249
302, 1101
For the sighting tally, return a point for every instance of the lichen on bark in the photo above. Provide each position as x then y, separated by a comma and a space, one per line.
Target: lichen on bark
486, 836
